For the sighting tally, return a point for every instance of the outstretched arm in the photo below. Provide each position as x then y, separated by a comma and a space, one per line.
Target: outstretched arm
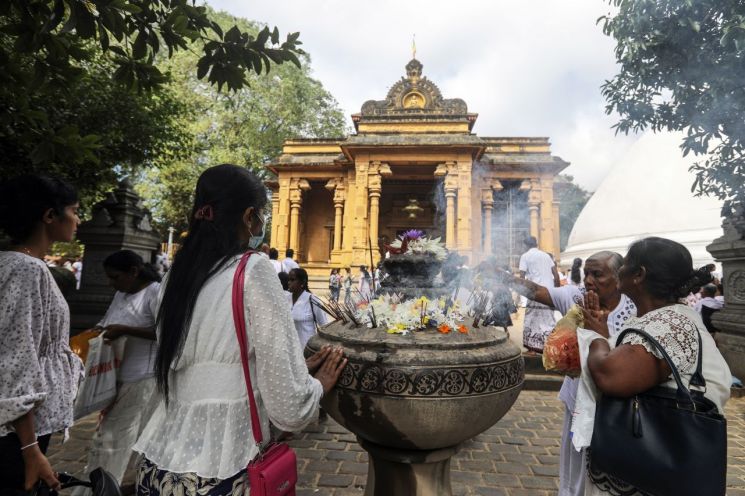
528, 289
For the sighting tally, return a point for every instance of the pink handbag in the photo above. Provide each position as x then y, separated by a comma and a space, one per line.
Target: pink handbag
274, 470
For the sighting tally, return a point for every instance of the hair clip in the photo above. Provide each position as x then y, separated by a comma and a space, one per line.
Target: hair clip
204, 213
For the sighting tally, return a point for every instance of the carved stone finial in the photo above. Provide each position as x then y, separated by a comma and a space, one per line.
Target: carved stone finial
414, 69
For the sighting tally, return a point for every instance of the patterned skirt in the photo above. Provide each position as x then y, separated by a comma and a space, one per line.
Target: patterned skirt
538, 324
152, 481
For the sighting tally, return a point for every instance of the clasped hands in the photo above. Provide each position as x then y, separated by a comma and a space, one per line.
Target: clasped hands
596, 319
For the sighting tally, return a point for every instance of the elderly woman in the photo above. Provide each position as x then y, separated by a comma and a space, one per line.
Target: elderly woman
656, 274
600, 291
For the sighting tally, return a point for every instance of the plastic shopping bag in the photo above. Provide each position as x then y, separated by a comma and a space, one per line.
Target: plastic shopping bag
561, 351
98, 389
80, 343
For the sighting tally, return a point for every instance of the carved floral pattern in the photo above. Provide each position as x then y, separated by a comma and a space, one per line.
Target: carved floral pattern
433, 382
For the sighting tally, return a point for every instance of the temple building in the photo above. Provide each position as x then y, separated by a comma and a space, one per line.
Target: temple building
412, 163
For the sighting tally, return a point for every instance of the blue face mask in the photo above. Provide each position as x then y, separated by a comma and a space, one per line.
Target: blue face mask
255, 241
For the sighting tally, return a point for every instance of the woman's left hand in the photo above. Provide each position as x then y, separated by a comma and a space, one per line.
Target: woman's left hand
115, 331
314, 361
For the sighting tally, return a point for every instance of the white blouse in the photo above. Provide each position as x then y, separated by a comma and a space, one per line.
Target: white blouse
306, 316
206, 428
39, 370
135, 310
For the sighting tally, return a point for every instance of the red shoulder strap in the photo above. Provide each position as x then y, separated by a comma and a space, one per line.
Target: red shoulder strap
239, 317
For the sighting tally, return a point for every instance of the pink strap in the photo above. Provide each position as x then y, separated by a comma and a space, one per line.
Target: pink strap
239, 317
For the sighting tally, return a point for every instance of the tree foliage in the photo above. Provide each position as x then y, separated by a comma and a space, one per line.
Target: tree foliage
572, 199
682, 64
79, 79
245, 127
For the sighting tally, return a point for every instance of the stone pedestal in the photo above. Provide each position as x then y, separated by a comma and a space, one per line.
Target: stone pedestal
119, 222
392, 472
729, 250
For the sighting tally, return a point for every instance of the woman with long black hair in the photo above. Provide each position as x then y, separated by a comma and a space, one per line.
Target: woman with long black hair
199, 439
306, 309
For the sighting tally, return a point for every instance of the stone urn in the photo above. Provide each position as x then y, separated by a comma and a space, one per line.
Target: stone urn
413, 399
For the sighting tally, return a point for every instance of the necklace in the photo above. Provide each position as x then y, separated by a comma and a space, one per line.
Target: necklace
26, 251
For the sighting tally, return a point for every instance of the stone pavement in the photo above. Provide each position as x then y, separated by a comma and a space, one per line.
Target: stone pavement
518, 456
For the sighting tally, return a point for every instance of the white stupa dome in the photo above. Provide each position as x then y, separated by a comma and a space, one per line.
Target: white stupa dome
647, 193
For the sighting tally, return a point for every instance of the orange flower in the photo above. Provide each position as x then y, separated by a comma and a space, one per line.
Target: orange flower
444, 328
462, 329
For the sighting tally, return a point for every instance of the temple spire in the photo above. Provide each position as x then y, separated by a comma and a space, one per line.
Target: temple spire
413, 46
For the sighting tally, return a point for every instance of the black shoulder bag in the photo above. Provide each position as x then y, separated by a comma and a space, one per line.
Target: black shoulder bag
664, 442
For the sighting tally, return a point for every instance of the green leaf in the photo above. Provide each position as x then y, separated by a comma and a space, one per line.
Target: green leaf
131, 8
139, 48
203, 66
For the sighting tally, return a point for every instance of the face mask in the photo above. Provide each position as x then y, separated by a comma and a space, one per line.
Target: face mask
255, 241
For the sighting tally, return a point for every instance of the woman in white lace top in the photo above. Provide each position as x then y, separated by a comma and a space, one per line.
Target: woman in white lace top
199, 439
39, 375
656, 274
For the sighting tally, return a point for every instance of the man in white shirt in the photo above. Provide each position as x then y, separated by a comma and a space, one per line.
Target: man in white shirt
708, 305
537, 266
288, 263
273, 256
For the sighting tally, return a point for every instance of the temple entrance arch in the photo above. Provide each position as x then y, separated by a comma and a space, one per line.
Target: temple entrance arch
408, 204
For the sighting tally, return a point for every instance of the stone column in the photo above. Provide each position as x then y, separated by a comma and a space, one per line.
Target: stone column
449, 172
487, 205
557, 229
464, 210
534, 202
375, 187
546, 240
119, 222
274, 188
336, 186
283, 216
730, 251
297, 187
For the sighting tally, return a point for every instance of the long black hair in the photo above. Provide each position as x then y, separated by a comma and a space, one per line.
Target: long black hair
302, 276
124, 260
576, 275
669, 268
223, 194
25, 199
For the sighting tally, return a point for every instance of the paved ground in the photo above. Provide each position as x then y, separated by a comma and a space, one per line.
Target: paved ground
518, 456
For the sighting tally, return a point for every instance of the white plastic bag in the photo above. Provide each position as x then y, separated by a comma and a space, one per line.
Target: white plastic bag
98, 389
583, 416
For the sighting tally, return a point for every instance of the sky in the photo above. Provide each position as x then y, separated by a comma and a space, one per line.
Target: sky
527, 67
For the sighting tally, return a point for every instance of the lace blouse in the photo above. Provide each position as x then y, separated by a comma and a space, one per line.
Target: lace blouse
39, 371
674, 327
206, 428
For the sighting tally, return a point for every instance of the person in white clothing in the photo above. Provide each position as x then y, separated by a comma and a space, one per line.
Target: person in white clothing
708, 305
365, 285
656, 274
600, 289
306, 311
77, 269
289, 262
537, 266
199, 439
273, 255
130, 318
